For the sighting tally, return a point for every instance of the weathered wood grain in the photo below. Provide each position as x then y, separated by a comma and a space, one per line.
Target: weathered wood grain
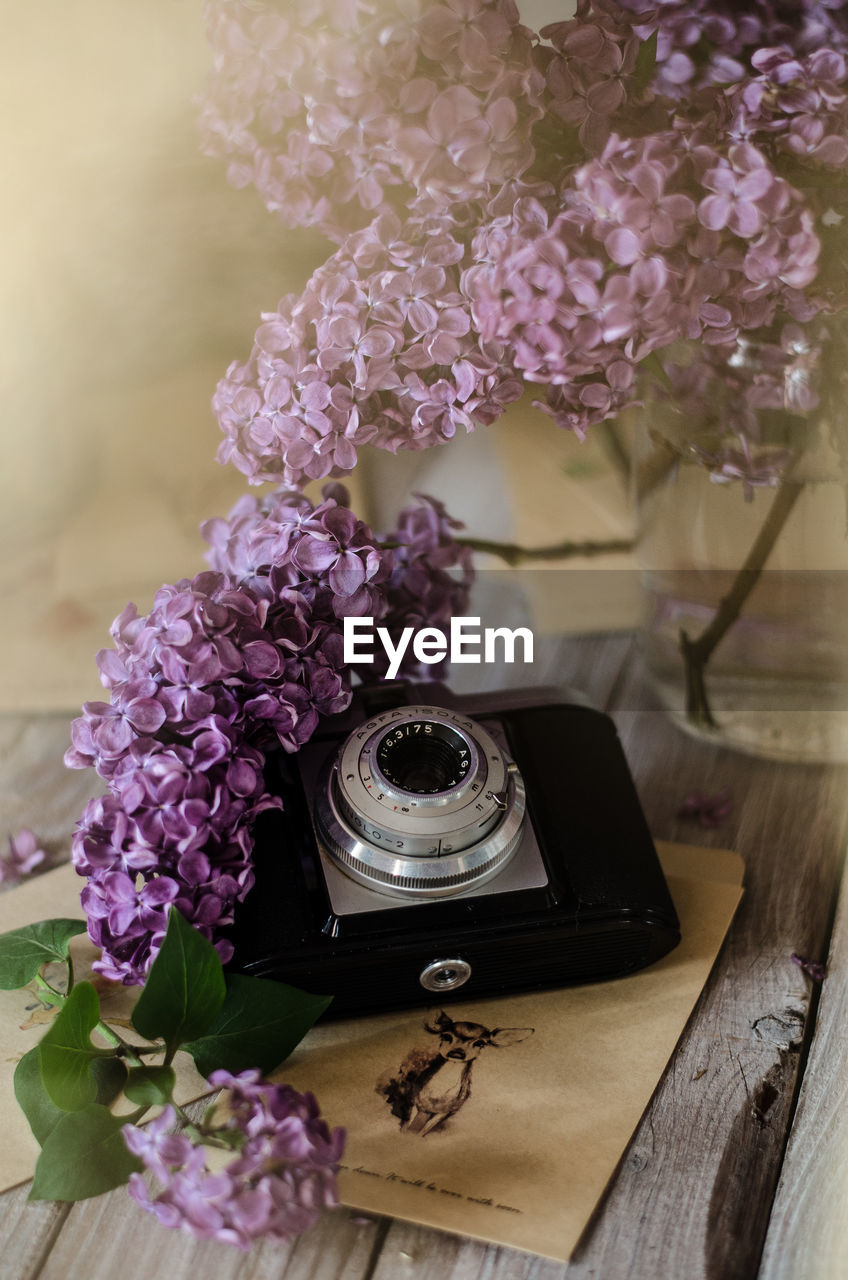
808, 1231
413, 1253
693, 1193
27, 1233
110, 1238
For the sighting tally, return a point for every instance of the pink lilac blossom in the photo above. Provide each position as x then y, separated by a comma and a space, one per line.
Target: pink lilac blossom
814, 969
559, 227
590, 73
431, 577
25, 856
282, 1176
378, 349
336, 112
711, 42
796, 106
710, 809
649, 244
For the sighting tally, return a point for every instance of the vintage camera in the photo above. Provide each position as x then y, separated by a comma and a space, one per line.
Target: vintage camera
431, 847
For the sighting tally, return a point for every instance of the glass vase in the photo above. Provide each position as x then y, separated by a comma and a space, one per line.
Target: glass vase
744, 563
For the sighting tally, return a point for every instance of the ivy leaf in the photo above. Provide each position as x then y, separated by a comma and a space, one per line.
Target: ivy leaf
84, 1156
147, 1086
33, 1099
185, 987
66, 1051
646, 61
259, 1025
24, 951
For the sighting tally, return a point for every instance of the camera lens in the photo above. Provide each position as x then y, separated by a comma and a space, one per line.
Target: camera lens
420, 801
423, 757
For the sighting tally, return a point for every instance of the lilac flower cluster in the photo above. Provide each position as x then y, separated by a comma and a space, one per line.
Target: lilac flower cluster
712, 42
338, 111
378, 349
241, 658
431, 576
590, 71
616, 206
796, 106
282, 1176
631, 259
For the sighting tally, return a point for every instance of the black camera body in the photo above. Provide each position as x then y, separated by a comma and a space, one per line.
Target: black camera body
558, 883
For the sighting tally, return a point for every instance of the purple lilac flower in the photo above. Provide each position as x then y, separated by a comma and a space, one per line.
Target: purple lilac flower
225, 666
337, 112
797, 106
282, 1177
814, 969
590, 75
431, 579
658, 211
650, 243
710, 810
379, 349
24, 857
283, 543
198, 688
712, 42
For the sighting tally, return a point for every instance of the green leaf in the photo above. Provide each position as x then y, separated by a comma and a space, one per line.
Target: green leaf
24, 951
185, 987
33, 1099
148, 1086
84, 1156
259, 1025
110, 1076
646, 61
66, 1051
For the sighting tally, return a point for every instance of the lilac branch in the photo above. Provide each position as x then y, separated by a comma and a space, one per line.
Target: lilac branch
513, 553
697, 653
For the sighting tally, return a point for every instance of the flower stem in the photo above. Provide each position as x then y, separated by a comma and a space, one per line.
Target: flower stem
513, 553
697, 653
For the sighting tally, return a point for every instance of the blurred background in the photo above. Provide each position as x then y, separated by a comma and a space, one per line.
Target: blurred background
130, 276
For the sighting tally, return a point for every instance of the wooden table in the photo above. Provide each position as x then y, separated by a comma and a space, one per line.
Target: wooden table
738, 1167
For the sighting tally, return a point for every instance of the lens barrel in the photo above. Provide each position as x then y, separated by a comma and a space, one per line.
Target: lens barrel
420, 801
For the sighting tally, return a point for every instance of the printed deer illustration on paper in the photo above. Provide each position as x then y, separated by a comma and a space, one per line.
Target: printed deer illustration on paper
430, 1086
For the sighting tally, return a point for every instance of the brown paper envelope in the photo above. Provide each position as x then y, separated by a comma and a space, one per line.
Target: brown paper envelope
526, 1156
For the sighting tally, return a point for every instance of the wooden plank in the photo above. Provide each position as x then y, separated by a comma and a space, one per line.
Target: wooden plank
808, 1231
418, 1253
111, 1237
693, 1193
27, 1233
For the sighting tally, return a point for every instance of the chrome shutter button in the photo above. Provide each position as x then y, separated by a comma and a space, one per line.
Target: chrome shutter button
445, 975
